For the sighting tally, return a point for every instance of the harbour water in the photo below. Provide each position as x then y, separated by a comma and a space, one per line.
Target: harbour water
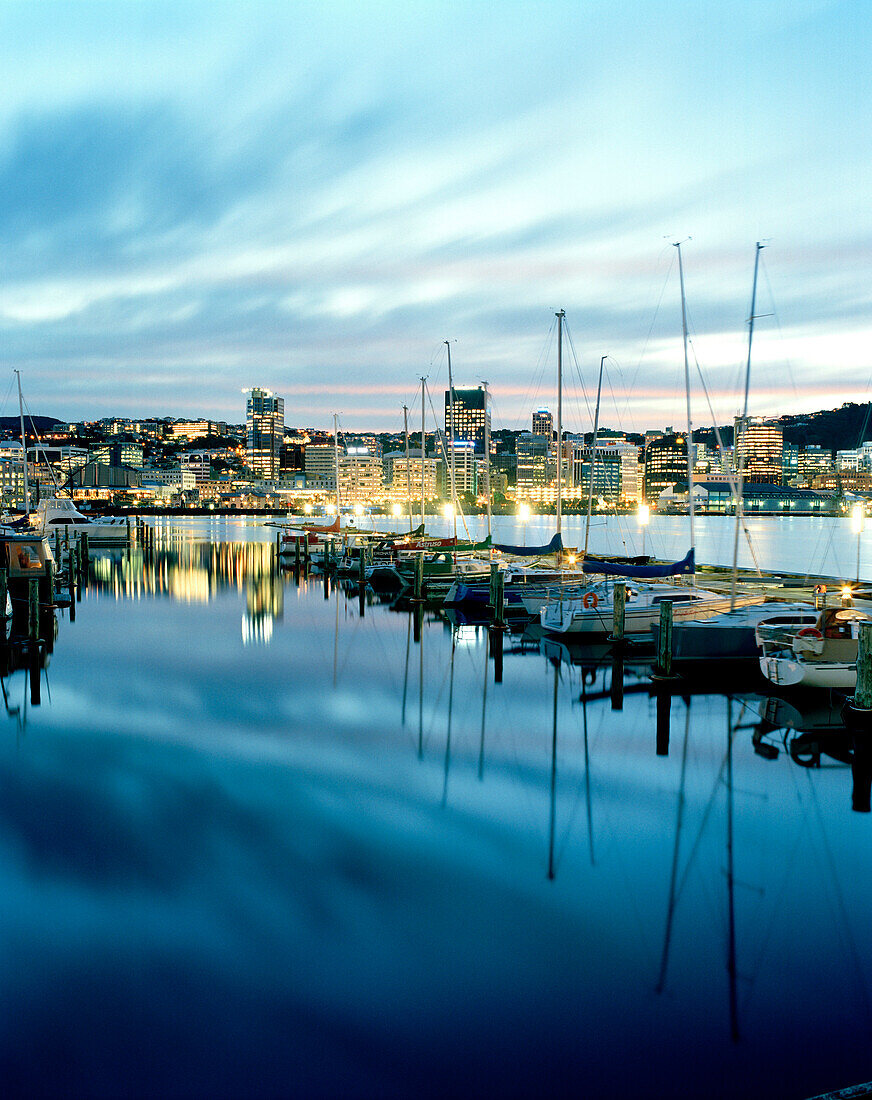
259, 840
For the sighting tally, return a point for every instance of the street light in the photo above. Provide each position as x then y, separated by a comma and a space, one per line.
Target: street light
858, 522
643, 517
523, 516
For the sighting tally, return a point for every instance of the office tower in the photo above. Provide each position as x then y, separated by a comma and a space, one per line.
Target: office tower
265, 423
543, 423
469, 417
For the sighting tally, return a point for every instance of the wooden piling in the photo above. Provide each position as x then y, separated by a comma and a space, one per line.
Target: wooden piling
296, 559
664, 641
361, 568
664, 712
4, 592
72, 579
863, 691
35, 673
496, 647
619, 600
616, 691
500, 600
418, 590
33, 610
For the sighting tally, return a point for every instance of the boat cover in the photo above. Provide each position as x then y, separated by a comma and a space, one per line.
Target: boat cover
553, 547
641, 572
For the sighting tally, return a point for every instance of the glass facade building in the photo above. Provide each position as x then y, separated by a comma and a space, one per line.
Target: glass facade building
265, 429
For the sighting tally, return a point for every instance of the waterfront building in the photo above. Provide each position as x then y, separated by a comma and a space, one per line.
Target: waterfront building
397, 483
319, 464
607, 470
665, 465
469, 417
766, 499
814, 461
360, 478
467, 468
543, 423
265, 424
760, 446
790, 461
532, 453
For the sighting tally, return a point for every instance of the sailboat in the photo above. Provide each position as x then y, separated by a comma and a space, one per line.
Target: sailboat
732, 635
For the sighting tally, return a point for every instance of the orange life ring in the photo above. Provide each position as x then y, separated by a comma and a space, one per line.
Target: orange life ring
809, 632
590, 599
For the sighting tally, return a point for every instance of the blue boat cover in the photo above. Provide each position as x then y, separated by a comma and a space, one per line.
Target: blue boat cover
555, 545
642, 572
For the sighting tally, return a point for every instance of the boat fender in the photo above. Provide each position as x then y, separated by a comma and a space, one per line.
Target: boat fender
590, 599
809, 632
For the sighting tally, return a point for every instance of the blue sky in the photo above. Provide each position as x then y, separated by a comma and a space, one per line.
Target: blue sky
311, 198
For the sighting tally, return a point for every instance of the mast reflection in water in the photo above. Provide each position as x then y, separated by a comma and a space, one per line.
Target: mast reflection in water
392, 853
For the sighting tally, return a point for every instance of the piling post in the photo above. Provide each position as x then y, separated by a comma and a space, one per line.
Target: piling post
361, 568
47, 584
127, 524
616, 691
4, 591
57, 545
619, 602
35, 677
664, 641
492, 590
857, 711
67, 541
863, 693
71, 580
664, 709
500, 598
33, 610
418, 591
496, 648
296, 559
418, 619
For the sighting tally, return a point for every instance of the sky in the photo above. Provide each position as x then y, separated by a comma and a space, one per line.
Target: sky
203, 197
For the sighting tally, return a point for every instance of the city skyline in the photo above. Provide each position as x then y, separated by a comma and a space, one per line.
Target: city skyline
201, 194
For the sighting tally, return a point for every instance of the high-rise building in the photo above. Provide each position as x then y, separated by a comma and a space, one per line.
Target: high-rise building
469, 417
543, 423
532, 451
665, 465
265, 424
759, 447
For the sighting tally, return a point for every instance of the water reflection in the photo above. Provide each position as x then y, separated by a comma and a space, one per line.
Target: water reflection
318, 865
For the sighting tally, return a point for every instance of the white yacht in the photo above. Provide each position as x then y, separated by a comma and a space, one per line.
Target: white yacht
53, 513
591, 613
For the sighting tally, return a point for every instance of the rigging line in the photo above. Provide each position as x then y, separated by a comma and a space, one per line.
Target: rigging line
39, 445
781, 335
8, 391
441, 438
732, 479
840, 897
574, 357
536, 384
644, 350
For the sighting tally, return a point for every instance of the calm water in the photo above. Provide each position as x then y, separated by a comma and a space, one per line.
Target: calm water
256, 842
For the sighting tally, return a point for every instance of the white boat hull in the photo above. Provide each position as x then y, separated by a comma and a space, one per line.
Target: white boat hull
791, 672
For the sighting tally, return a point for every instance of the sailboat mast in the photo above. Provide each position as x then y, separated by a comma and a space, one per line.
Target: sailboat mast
451, 418
686, 397
559, 315
599, 390
423, 448
739, 449
23, 447
336, 455
408, 471
487, 489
